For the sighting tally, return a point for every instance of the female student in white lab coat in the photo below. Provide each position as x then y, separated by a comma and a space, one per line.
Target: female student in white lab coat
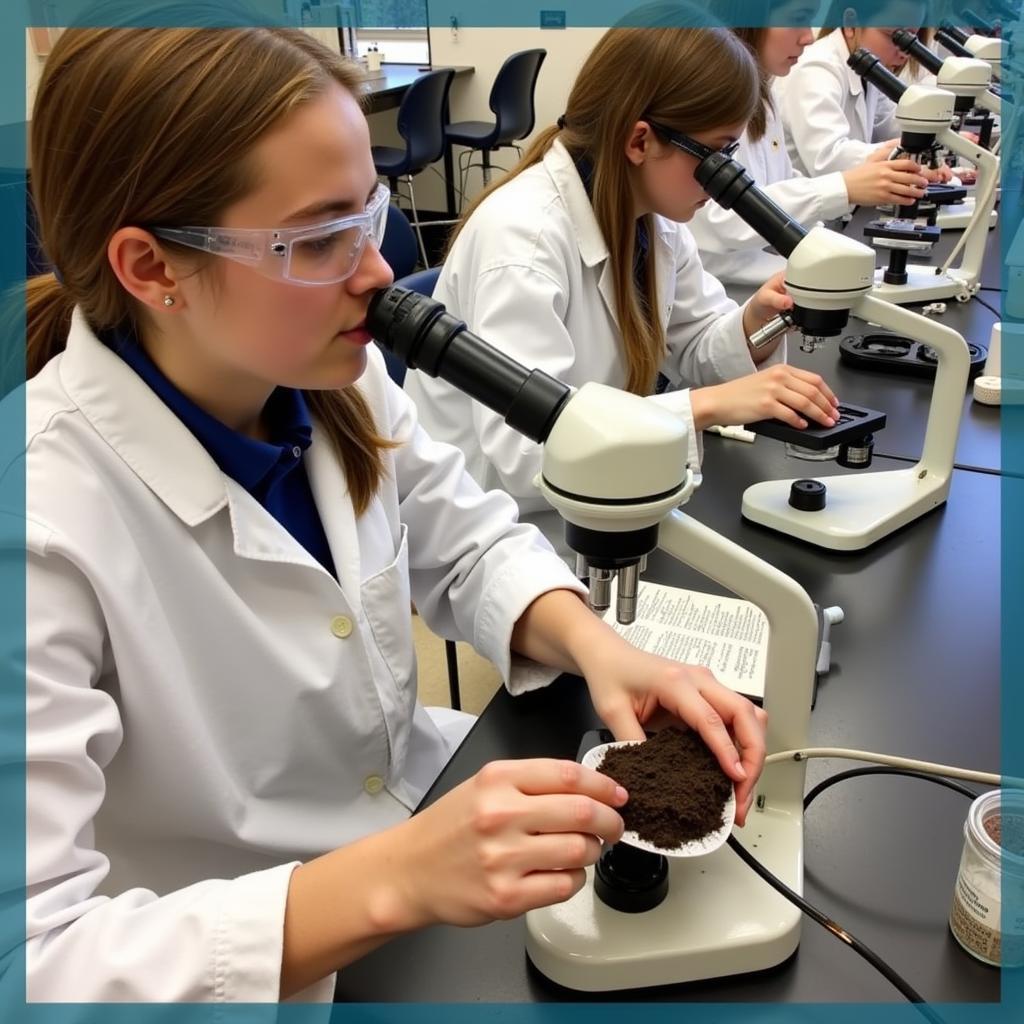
577, 262
729, 248
230, 508
833, 119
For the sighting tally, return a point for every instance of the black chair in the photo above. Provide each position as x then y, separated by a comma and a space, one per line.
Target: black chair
421, 123
399, 245
512, 104
423, 283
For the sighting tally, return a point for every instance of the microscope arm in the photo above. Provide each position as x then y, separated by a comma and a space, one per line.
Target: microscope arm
792, 638
973, 239
989, 101
951, 374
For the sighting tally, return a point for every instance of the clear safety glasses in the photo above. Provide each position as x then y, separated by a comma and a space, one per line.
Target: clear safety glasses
314, 254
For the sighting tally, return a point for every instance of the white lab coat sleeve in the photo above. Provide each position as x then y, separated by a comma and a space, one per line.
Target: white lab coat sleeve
520, 310
806, 200
216, 940
474, 569
885, 126
812, 110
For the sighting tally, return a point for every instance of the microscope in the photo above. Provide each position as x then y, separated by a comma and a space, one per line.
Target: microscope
614, 466
830, 276
964, 44
970, 82
925, 115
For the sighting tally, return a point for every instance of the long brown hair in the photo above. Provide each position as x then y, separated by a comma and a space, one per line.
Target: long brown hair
688, 79
758, 123
147, 126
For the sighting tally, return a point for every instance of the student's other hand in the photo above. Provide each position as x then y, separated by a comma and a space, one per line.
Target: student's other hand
781, 392
889, 181
883, 150
767, 302
632, 689
938, 175
515, 836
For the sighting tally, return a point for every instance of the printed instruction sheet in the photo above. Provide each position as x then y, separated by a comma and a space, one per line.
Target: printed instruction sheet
725, 634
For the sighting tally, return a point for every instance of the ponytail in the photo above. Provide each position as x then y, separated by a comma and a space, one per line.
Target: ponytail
48, 307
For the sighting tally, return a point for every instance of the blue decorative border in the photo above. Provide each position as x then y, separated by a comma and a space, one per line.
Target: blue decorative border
14, 16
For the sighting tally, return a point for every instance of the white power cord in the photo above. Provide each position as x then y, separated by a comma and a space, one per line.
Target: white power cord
949, 771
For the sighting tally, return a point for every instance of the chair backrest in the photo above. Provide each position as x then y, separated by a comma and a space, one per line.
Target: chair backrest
421, 118
399, 245
422, 282
513, 92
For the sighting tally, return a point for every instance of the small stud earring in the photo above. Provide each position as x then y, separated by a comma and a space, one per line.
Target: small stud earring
168, 300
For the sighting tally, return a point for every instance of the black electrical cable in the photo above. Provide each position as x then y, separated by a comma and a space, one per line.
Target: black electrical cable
991, 309
854, 773
836, 929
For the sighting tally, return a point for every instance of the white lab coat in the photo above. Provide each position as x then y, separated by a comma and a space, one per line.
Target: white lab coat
731, 249
832, 119
207, 705
530, 274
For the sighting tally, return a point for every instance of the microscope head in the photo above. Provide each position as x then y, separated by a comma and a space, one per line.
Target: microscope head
826, 273
965, 77
922, 111
615, 464
989, 50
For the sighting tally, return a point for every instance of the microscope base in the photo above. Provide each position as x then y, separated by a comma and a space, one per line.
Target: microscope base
958, 216
922, 286
718, 919
860, 509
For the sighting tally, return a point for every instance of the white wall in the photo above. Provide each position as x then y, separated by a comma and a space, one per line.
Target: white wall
485, 49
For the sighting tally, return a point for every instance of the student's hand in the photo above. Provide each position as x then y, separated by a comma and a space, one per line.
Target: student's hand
972, 137
781, 392
883, 150
767, 302
515, 836
886, 181
938, 175
632, 689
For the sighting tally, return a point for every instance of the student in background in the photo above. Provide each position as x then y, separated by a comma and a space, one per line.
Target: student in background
835, 121
579, 261
729, 248
229, 509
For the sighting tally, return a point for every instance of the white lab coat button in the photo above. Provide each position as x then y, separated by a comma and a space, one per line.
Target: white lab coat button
341, 626
373, 784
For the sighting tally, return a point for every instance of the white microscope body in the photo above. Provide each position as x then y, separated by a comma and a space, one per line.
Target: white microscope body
926, 110
827, 271
615, 463
988, 49
615, 467
972, 79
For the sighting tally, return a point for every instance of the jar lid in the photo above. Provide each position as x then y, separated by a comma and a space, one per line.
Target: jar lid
997, 802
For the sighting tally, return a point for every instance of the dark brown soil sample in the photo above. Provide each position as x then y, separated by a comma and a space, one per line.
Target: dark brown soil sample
677, 790
1006, 831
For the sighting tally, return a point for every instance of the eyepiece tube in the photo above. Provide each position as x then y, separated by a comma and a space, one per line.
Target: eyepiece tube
911, 45
975, 20
956, 33
872, 70
955, 48
426, 337
728, 183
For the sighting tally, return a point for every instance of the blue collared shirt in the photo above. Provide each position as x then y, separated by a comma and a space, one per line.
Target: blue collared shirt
273, 471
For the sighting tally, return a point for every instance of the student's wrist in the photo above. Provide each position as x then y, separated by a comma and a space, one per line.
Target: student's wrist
704, 405
394, 902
